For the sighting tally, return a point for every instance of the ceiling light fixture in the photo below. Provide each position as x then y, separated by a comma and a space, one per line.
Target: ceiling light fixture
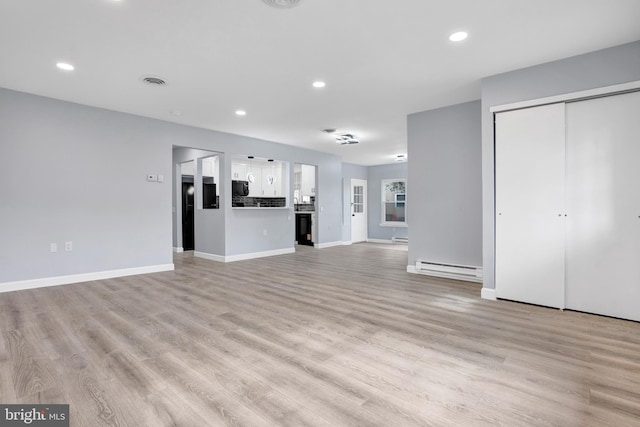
346, 139
154, 81
65, 66
282, 4
319, 84
241, 113
458, 36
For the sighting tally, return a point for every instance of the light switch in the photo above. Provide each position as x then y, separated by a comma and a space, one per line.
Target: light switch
53, 247
152, 177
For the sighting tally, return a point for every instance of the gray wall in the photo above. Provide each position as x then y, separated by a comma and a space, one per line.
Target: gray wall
72, 172
444, 188
620, 64
374, 194
349, 172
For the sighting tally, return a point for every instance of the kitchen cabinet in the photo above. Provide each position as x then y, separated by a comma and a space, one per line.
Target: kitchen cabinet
273, 181
238, 171
266, 179
308, 180
254, 176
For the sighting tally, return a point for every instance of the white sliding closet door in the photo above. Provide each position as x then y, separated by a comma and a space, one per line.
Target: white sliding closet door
603, 204
530, 179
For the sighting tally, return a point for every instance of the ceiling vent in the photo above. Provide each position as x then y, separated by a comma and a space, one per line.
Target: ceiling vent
151, 80
346, 138
282, 4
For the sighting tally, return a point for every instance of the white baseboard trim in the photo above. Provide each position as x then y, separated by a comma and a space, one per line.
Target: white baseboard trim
412, 269
84, 277
327, 245
487, 293
347, 242
243, 257
389, 242
211, 257
178, 250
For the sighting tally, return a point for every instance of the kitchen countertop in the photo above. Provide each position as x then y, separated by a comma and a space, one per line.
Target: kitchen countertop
264, 208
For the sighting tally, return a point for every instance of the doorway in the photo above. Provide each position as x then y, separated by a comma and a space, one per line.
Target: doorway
358, 210
304, 199
188, 206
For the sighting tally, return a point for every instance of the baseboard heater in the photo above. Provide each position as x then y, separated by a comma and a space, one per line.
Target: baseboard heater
449, 271
400, 240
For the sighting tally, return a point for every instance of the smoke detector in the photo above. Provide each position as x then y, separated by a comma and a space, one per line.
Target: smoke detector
152, 80
346, 139
282, 4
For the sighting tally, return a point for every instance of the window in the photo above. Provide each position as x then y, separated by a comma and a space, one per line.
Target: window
358, 199
394, 201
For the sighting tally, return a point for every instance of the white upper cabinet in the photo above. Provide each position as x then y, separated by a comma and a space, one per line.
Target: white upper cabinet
266, 178
273, 181
238, 171
308, 180
254, 176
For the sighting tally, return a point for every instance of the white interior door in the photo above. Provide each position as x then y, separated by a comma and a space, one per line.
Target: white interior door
603, 185
530, 145
358, 210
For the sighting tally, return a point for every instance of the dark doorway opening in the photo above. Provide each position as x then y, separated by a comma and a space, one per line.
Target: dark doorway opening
188, 220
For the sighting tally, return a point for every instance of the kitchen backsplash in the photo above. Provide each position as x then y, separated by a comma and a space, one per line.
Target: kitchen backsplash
258, 202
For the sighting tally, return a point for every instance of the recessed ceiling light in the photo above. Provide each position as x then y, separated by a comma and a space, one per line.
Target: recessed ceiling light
65, 66
319, 84
282, 4
241, 113
458, 37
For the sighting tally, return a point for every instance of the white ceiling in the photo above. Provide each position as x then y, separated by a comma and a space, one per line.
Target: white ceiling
381, 59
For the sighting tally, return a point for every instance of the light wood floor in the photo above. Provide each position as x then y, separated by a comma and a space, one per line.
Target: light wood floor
334, 337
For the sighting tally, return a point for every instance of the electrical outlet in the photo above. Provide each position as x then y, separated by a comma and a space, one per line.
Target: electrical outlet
53, 247
68, 246
160, 178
